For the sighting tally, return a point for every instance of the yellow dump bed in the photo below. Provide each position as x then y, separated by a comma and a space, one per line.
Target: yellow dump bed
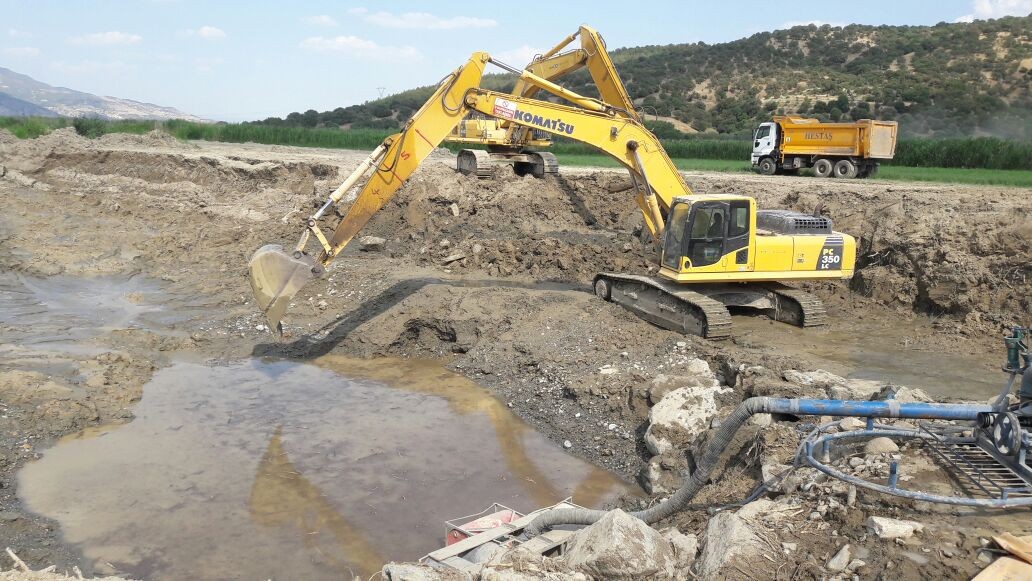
865, 138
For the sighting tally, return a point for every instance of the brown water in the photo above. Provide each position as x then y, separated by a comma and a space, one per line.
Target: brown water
284, 470
881, 352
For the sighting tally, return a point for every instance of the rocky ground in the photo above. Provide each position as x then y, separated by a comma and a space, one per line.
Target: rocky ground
493, 276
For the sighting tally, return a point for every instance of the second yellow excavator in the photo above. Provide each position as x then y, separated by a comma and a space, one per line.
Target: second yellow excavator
716, 251
508, 143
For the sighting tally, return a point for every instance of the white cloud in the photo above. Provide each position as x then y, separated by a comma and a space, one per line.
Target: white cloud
986, 9
422, 20
15, 33
518, 57
817, 23
354, 46
106, 38
21, 51
321, 20
207, 33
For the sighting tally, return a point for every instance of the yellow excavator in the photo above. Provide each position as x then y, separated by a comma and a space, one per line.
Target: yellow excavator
716, 252
508, 143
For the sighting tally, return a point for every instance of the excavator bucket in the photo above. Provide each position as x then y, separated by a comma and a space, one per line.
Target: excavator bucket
276, 276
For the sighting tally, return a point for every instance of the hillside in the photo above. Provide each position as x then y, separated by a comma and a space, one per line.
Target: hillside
939, 81
21, 95
14, 107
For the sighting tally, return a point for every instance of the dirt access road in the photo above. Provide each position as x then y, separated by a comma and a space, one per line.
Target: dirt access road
491, 275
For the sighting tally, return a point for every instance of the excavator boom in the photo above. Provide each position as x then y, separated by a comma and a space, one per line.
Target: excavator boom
277, 275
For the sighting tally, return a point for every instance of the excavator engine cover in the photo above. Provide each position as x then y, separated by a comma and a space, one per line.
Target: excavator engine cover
276, 276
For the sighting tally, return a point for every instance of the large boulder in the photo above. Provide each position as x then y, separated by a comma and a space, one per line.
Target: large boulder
856, 389
820, 378
680, 417
729, 538
620, 546
664, 474
903, 394
695, 373
686, 548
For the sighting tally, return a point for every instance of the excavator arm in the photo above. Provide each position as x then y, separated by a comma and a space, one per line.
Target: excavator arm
276, 275
556, 64
592, 54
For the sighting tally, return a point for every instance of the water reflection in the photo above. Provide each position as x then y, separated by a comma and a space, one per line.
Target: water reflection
278, 469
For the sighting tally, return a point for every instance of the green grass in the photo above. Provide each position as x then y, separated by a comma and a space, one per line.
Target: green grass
1019, 178
596, 160
994, 177
277, 135
32, 127
968, 161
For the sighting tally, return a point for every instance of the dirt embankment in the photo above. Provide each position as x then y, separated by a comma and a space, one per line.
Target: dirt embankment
490, 273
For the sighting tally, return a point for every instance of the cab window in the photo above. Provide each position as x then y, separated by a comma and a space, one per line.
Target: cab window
739, 222
673, 245
763, 132
707, 235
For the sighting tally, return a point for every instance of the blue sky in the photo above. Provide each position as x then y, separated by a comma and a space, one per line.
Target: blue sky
235, 60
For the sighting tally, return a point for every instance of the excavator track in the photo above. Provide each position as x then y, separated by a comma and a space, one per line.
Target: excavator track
796, 307
550, 165
475, 162
702, 309
667, 304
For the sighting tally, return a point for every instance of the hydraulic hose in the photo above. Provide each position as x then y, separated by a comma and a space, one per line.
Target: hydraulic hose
741, 414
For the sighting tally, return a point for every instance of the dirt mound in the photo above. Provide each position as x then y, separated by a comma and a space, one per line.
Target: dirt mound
154, 138
6, 137
965, 257
27, 154
221, 177
557, 228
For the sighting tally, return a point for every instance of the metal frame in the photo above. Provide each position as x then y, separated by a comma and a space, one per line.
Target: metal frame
988, 472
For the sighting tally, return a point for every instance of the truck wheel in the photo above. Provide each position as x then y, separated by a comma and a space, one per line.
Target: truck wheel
845, 169
768, 167
822, 168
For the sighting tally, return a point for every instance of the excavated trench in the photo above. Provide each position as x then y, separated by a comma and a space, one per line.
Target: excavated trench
511, 313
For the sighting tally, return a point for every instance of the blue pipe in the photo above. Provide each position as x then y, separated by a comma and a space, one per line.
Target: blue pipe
875, 409
731, 424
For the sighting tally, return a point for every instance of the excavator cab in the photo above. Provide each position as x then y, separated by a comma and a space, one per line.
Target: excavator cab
708, 234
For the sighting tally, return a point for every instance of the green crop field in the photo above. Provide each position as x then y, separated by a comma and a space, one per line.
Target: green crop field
994, 177
987, 161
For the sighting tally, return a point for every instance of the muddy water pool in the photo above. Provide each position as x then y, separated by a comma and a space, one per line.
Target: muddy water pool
883, 352
277, 469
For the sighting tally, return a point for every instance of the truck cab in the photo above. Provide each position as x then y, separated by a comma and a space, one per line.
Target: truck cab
765, 140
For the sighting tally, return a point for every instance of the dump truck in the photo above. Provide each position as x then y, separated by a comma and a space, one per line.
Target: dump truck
843, 150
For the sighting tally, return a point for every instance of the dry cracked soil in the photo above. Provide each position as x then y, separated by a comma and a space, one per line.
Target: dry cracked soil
491, 276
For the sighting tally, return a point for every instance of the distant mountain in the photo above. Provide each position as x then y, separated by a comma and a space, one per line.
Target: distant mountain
14, 107
950, 79
21, 95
